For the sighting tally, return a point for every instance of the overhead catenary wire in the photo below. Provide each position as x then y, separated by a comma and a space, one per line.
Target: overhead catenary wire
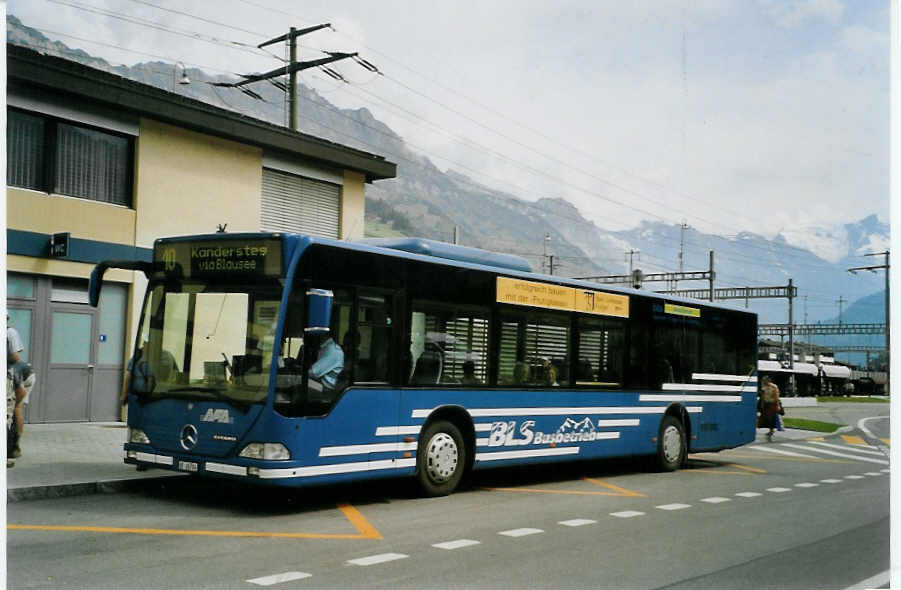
574, 219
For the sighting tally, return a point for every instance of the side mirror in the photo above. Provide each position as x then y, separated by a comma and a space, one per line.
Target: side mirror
97, 275
319, 311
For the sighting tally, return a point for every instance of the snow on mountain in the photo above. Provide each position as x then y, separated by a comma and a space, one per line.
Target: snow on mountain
834, 243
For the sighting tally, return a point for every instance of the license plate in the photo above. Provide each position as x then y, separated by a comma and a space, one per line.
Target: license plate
187, 466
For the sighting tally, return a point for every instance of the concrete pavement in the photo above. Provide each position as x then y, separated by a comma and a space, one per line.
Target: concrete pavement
87, 457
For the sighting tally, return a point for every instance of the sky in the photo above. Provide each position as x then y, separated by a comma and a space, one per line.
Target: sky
764, 116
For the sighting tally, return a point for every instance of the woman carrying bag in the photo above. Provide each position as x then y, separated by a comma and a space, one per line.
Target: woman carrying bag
771, 407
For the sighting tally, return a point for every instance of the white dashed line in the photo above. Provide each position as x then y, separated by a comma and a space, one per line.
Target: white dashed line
375, 559
830, 480
873, 473
520, 532
748, 494
806, 484
627, 514
577, 522
458, 544
867, 450
853, 477
778, 490
674, 506
836, 454
715, 500
885, 470
279, 578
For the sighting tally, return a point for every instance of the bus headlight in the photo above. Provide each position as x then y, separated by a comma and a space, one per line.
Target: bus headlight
267, 451
136, 435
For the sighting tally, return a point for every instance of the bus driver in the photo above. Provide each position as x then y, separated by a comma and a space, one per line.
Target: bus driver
329, 364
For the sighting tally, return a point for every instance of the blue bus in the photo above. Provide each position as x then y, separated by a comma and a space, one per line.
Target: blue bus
294, 360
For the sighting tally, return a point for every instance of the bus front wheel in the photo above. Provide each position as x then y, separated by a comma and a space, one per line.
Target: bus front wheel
441, 458
671, 445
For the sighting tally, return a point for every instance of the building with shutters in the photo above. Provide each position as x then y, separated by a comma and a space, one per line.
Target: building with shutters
105, 165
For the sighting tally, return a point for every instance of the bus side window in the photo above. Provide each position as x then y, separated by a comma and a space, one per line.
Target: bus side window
601, 352
373, 352
448, 346
534, 350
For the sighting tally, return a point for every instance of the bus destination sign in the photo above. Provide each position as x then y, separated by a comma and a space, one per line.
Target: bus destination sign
222, 258
534, 294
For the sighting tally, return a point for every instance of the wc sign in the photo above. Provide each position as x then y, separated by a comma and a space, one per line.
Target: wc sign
59, 245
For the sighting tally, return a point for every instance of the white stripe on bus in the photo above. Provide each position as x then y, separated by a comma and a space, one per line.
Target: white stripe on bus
704, 387
396, 430
151, 458
717, 377
487, 426
363, 449
682, 397
590, 410
498, 456
225, 468
336, 468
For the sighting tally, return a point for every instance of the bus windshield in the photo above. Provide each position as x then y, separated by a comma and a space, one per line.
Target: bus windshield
206, 340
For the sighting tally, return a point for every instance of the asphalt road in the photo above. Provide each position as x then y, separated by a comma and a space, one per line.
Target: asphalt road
787, 514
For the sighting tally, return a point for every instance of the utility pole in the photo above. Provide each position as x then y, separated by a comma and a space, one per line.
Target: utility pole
713, 276
631, 254
547, 238
551, 260
841, 302
791, 338
885, 266
292, 67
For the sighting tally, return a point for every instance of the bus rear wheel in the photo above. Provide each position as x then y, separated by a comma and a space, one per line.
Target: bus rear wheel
672, 449
441, 458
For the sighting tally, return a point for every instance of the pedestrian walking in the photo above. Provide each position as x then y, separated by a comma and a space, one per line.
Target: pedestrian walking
770, 406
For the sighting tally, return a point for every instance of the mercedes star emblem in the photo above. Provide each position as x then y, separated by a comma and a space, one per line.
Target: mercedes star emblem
188, 437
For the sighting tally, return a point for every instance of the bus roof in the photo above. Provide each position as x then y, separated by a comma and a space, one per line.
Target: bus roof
453, 255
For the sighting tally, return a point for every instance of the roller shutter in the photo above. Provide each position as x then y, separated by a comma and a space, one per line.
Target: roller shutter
294, 203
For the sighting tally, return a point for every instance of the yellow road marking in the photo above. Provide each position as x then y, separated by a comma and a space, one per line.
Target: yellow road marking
616, 490
886, 441
817, 438
853, 440
746, 468
784, 458
364, 528
544, 491
620, 491
717, 471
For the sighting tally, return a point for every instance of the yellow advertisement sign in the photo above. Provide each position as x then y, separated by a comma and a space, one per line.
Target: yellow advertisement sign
534, 294
682, 310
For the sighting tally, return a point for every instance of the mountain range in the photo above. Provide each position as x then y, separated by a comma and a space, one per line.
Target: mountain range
427, 201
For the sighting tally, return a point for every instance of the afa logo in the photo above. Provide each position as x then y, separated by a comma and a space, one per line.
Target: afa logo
220, 416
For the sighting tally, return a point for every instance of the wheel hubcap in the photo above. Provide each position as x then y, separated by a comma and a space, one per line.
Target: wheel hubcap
442, 457
672, 444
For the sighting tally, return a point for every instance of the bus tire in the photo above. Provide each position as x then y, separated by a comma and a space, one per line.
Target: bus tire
441, 458
672, 448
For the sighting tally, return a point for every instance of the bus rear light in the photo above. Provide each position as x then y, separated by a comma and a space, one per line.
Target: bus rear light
267, 451
136, 435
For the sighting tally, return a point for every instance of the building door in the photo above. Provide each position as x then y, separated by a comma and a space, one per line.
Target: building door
67, 387
77, 351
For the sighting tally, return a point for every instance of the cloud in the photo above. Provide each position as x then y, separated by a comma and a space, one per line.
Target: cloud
792, 13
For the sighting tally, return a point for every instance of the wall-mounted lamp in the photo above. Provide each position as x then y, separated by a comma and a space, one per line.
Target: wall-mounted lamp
184, 75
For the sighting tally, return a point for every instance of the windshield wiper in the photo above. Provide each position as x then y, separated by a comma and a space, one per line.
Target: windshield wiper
243, 406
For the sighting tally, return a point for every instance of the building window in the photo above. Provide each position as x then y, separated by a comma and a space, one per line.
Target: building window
53, 156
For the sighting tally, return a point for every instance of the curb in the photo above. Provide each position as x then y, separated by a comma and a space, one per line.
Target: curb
24, 494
